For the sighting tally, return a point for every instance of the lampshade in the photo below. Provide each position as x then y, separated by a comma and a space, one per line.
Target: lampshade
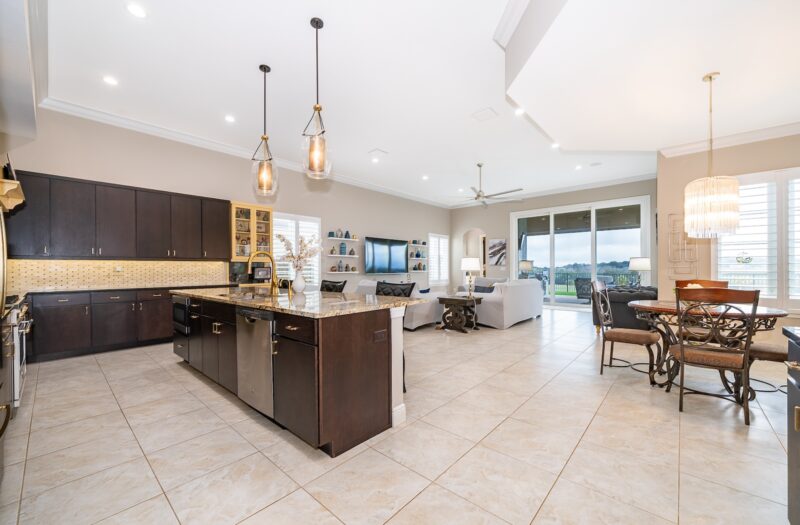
711, 207
526, 266
470, 264
639, 264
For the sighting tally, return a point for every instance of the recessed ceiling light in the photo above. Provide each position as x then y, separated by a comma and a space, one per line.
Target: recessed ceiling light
554, 145
375, 160
425, 177
111, 81
376, 155
519, 112
460, 190
230, 119
578, 167
136, 10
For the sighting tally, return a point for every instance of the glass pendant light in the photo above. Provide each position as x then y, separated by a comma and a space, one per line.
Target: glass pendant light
315, 148
265, 182
711, 204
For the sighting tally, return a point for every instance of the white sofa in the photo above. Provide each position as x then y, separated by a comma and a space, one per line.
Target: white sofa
510, 303
417, 314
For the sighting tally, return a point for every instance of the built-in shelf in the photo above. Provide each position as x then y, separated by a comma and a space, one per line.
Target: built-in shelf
420, 245
342, 239
329, 272
337, 255
418, 258
418, 271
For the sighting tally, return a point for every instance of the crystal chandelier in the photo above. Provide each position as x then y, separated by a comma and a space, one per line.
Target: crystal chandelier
711, 204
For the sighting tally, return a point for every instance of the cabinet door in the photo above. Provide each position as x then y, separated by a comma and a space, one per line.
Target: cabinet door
153, 235
154, 320
216, 229
294, 369
186, 227
210, 348
113, 323
29, 224
195, 342
226, 341
115, 226
72, 218
61, 329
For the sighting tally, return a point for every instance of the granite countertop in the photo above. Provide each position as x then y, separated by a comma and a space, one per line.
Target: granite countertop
309, 304
793, 333
107, 289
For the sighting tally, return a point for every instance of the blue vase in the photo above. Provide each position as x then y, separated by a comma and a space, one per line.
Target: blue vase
342, 248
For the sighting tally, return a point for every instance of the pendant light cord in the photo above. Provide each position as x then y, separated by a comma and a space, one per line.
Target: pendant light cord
316, 57
710, 127
265, 103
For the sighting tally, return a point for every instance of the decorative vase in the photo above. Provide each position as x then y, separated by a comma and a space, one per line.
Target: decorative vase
419, 254
340, 266
347, 234
342, 249
352, 251
299, 283
333, 250
339, 233
331, 234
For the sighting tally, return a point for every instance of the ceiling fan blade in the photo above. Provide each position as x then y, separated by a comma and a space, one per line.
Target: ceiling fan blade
493, 195
474, 190
485, 204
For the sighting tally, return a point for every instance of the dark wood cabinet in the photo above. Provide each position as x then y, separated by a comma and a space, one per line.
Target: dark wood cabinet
153, 229
28, 225
113, 324
294, 366
154, 319
210, 348
180, 345
72, 218
61, 330
186, 228
216, 224
115, 221
226, 341
195, 342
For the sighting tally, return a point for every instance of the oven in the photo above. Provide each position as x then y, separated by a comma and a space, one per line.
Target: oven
180, 314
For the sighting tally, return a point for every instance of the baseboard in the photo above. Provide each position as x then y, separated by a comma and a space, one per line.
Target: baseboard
399, 415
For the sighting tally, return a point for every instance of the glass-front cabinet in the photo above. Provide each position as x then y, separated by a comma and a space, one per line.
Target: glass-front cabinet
251, 230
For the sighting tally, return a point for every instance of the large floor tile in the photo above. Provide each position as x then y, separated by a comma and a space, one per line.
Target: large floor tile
109, 425
93, 497
11, 487
231, 493
564, 418
437, 505
155, 511
302, 462
425, 449
463, 419
146, 394
704, 502
161, 409
260, 431
191, 459
298, 508
166, 432
493, 399
540, 447
504, 486
50, 416
370, 488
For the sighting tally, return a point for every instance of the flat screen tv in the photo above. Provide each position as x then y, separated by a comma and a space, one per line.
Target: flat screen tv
385, 255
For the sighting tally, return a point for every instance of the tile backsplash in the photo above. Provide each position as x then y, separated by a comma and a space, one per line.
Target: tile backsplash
39, 275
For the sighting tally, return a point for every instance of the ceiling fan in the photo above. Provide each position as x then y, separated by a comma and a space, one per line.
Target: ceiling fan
484, 199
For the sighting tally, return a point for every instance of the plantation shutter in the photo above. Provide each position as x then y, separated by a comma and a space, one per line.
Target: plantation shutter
793, 211
294, 227
438, 259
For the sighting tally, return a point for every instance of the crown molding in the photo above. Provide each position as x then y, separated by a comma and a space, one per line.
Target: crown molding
734, 140
212, 145
509, 21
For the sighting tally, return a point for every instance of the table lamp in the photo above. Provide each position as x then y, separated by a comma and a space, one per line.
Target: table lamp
526, 267
639, 264
469, 265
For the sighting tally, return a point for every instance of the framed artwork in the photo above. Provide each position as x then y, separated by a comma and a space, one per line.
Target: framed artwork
497, 252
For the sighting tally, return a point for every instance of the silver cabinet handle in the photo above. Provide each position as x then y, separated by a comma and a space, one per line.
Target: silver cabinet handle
45, 249
140, 306
114, 297
99, 251
92, 251
133, 307
173, 253
292, 328
179, 346
167, 253
205, 253
193, 316
86, 310
63, 300
194, 305
156, 295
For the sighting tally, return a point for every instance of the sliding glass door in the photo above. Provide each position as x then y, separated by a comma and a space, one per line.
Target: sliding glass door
568, 247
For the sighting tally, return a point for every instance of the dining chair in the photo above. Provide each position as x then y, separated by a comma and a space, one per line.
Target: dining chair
396, 290
705, 283
715, 331
331, 286
613, 335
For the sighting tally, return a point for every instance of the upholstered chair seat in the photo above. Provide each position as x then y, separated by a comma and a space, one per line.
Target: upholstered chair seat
707, 356
632, 336
769, 352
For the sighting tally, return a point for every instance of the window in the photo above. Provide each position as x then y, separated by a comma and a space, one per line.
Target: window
764, 253
294, 227
438, 259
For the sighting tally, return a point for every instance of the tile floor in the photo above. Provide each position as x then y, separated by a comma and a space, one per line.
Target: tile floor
512, 426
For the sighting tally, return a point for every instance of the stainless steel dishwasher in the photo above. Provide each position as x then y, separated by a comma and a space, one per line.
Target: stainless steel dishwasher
254, 358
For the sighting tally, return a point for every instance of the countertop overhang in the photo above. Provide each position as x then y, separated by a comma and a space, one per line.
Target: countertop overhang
310, 304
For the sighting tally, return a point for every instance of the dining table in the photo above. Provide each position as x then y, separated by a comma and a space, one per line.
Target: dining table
662, 316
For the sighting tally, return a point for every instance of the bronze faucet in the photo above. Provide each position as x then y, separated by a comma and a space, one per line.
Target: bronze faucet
273, 287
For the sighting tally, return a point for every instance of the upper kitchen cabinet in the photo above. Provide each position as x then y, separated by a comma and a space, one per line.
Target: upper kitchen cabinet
153, 229
186, 227
115, 225
72, 218
251, 228
216, 232
29, 224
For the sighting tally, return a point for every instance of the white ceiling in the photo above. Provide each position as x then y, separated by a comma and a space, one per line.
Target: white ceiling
403, 77
626, 74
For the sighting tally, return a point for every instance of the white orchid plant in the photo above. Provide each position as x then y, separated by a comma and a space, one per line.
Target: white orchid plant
306, 250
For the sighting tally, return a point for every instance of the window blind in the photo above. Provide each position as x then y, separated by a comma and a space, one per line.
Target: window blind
438, 259
293, 228
748, 259
793, 212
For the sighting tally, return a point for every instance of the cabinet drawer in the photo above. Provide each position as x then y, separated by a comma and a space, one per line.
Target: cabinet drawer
113, 297
61, 299
222, 312
296, 327
152, 295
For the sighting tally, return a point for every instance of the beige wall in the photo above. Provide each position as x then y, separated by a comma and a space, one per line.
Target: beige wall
494, 220
75, 147
675, 172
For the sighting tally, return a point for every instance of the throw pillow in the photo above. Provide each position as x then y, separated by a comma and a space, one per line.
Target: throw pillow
426, 290
484, 289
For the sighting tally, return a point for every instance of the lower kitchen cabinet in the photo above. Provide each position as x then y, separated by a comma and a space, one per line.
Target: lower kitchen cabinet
210, 348
113, 324
294, 369
154, 319
61, 331
195, 341
219, 351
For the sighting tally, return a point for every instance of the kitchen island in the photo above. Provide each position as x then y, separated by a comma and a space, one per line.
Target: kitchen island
332, 363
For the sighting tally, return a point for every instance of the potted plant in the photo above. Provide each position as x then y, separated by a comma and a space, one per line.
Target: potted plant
306, 250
